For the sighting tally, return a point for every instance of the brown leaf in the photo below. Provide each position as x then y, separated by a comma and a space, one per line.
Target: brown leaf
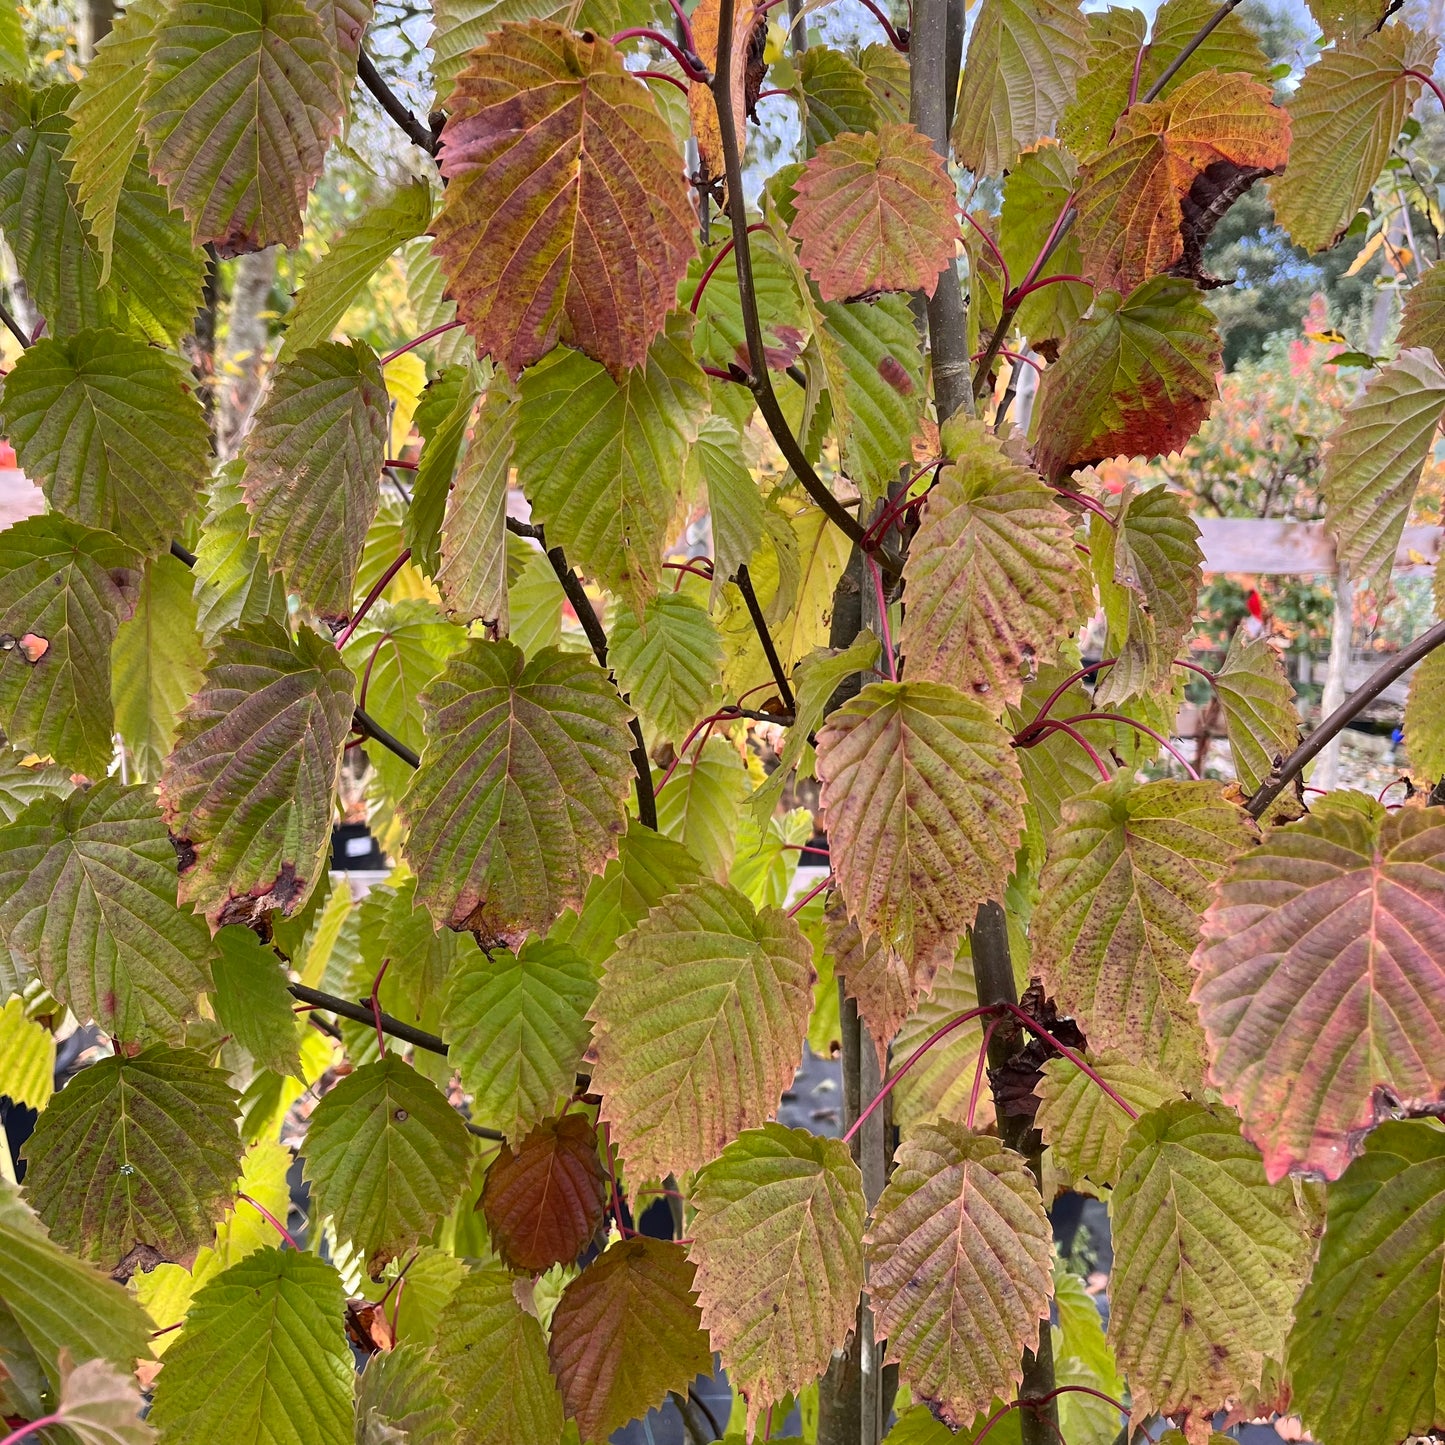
750, 37
567, 216
544, 1201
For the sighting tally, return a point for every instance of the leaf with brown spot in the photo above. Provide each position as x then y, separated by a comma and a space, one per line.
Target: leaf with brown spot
248, 790
544, 1198
567, 216
626, 1331
959, 1268
875, 212
1149, 203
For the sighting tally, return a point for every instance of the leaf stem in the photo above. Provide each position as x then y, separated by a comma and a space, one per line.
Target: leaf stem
882, 598
1420, 75
1041, 1400
894, 38
18, 332
760, 382
1089, 504
978, 1071
1030, 287
272, 1220
419, 341
724, 251
1347, 711
417, 133
662, 75
1050, 724
369, 601
1119, 717
809, 896
775, 663
1035, 1027
376, 1006
1021, 738
992, 246
692, 66
43, 1423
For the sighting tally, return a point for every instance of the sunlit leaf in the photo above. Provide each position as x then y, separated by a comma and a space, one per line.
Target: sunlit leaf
1208, 1260
1038, 189
252, 1002
101, 1405
959, 1257
401, 1390
473, 573
88, 899
522, 788
700, 805
698, 1026
241, 101
735, 505
777, 1241
27, 1057
719, 337
924, 807
247, 792
135, 1159
669, 663
1320, 980
1259, 709
940, 1084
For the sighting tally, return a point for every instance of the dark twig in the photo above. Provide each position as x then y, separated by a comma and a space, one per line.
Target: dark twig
417, 133
15, 328
183, 554
1200, 36
760, 382
770, 651
368, 727
362, 1013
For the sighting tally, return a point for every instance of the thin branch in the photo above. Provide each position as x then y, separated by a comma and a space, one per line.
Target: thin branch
1200, 36
14, 327
183, 554
362, 1013
1343, 715
418, 341
809, 896
417, 133
369, 601
760, 382
775, 663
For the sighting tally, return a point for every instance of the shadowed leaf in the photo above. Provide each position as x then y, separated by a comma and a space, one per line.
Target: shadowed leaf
234, 584
88, 899
1259, 710
701, 804
247, 792
627, 1330
836, 97
252, 1002
521, 793
1208, 1261
668, 663
1423, 322
1425, 717
959, 1258
698, 1026
313, 469
240, 103
875, 212
545, 1196
473, 573
1129, 870
924, 808
735, 504
253, 1335
938, 1086
1321, 980
135, 1159
387, 1158
101, 1405
777, 1241
568, 216
402, 1390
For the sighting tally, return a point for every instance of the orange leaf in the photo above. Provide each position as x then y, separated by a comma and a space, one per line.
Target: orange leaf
567, 216
544, 1201
876, 212
745, 79
1148, 205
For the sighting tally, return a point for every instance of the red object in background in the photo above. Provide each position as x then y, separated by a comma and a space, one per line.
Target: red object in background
7, 454
1255, 603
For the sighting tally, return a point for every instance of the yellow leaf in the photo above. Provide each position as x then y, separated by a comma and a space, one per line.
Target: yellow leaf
405, 380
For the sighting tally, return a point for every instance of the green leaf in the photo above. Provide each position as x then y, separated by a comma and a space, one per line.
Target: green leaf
719, 337
767, 857
101, 1405
669, 663
473, 559
884, 985
1208, 1261
1259, 711
530, 238
734, 502
1425, 717
401, 1390
155, 276
233, 581
387, 1157
817, 678
493, 1358
648, 867
14, 62
1037, 191
534, 598
1344, 118
1082, 1125
700, 805
1129, 871
55, 1302
135, 1159
241, 101
989, 576
1423, 322
110, 430
27, 1057
1083, 1357
252, 1002
403, 646
601, 461
21, 783
923, 803
262, 1356
516, 1026
837, 98
69, 588
875, 212
939, 1085
1032, 52
1333, 920
105, 119
313, 469
777, 1241
627, 1330
157, 662
88, 899
959, 1210
529, 754
443, 417
1374, 459
1373, 1302
333, 283
698, 1026
247, 792
1136, 379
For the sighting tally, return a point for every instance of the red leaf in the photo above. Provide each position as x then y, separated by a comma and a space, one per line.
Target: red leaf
544, 1201
567, 216
876, 212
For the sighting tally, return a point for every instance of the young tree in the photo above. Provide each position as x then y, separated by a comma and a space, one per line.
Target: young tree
579, 990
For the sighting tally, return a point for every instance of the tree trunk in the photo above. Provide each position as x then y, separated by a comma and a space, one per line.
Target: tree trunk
92, 25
